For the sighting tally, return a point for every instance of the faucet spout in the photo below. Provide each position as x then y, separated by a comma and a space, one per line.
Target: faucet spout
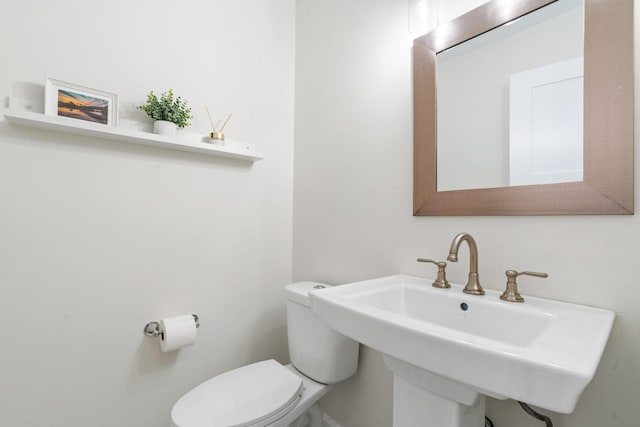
473, 284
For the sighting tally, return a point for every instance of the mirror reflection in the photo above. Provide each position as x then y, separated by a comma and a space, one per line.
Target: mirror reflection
510, 103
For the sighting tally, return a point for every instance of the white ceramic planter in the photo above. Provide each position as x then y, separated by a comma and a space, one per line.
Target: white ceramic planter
163, 127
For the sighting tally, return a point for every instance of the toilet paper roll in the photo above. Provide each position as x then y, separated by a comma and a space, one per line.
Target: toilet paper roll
178, 332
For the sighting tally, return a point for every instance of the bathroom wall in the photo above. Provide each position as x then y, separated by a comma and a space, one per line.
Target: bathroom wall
97, 237
353, 211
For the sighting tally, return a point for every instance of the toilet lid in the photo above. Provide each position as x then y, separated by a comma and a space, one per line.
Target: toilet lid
253, 395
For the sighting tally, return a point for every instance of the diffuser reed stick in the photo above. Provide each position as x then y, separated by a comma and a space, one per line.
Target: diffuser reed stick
225, 123
210, 121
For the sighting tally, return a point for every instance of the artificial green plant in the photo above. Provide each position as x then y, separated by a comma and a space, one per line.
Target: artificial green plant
168, 107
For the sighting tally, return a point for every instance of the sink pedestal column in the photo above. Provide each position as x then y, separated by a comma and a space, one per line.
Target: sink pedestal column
423, 399
416, 407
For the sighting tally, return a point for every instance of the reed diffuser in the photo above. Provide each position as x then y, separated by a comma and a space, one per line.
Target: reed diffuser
216, 136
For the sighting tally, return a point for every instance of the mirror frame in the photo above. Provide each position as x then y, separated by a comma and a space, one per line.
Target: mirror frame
608, 182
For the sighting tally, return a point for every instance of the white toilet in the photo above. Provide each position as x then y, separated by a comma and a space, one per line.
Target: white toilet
267, 393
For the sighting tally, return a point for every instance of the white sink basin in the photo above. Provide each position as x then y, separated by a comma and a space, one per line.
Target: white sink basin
540, 352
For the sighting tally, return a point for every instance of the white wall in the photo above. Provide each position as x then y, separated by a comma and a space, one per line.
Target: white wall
98, 237
352, 211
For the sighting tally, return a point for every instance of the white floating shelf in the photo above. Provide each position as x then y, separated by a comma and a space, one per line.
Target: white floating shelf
79, 127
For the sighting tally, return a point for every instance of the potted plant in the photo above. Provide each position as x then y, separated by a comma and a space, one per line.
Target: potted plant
168, 111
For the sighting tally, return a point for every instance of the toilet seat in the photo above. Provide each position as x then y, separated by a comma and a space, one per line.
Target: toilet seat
255, 395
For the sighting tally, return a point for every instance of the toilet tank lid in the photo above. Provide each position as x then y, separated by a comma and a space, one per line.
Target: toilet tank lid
299, 291
249, 395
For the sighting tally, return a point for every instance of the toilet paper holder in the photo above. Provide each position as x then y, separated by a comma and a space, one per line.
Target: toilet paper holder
152, 329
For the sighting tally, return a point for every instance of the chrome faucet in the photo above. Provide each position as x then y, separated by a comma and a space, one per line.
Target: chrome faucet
473, 284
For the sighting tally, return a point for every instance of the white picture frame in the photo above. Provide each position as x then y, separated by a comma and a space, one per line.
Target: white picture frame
64, 99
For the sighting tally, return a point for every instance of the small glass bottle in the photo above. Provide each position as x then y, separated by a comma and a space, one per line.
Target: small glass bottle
216, 138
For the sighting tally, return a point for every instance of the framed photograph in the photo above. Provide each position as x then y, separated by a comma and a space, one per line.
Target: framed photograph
65, 99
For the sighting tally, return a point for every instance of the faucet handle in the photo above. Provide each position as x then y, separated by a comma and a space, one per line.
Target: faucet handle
511, 294
441, 279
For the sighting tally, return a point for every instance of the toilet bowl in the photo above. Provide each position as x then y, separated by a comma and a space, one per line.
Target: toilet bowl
267, 393
261, 394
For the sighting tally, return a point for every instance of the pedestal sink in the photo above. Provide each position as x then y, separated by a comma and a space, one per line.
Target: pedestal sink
448, 350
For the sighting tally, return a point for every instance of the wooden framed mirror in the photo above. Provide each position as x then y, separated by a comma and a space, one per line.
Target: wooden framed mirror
608, 122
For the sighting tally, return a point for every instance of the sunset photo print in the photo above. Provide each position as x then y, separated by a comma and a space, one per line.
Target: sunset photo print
83, 107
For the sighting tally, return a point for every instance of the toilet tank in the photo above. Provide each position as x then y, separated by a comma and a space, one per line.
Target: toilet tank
316, 350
